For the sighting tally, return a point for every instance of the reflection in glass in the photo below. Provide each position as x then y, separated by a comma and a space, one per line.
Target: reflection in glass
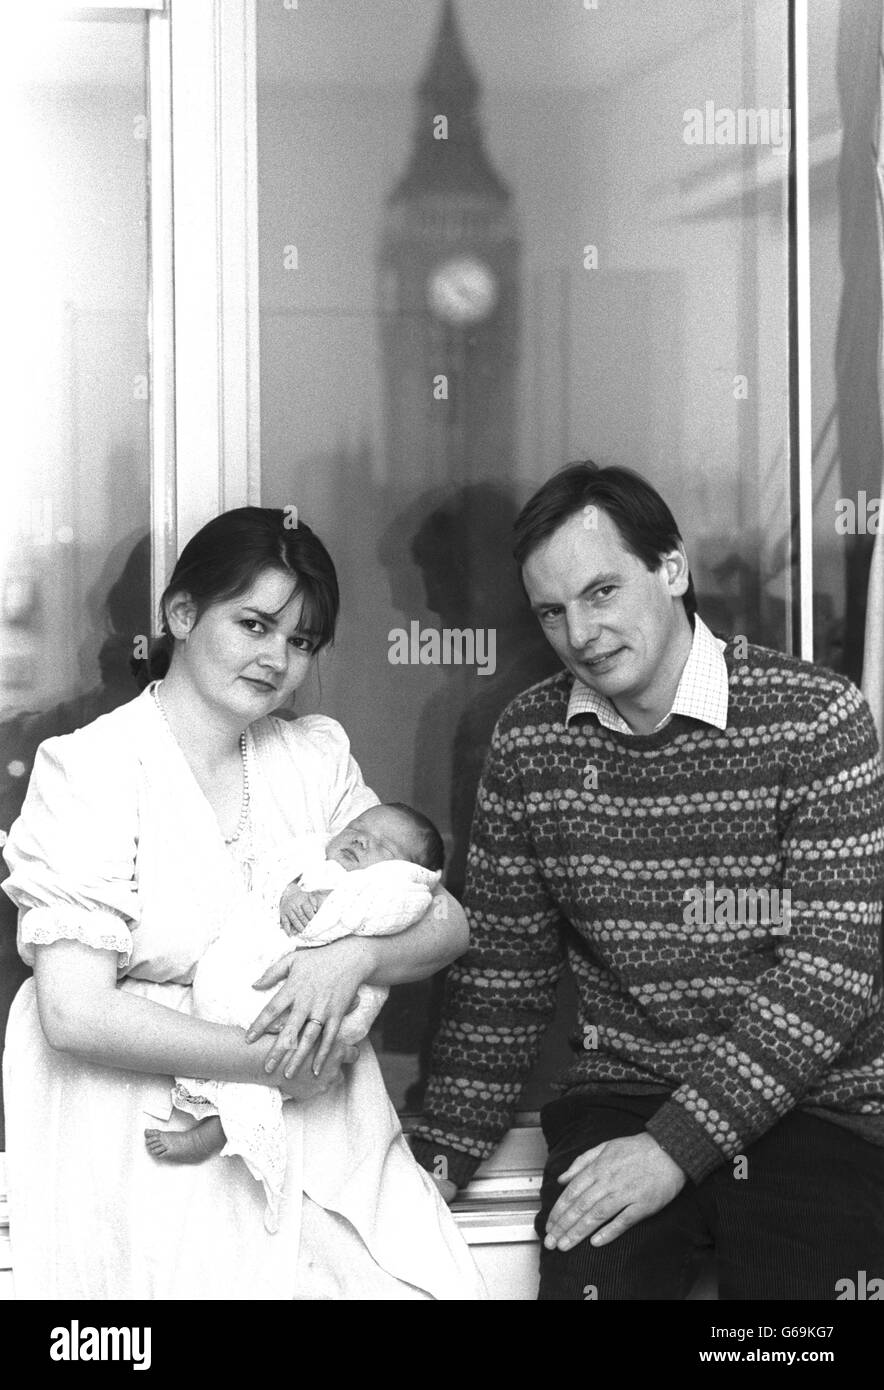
74, 544
845, 276
487, 248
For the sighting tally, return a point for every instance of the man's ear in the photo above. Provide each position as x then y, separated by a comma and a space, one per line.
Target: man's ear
181, 615
677, 571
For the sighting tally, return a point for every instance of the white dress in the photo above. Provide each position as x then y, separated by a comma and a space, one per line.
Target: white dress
118, 848
375, 901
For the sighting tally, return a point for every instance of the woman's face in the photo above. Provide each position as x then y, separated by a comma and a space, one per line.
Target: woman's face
248, 655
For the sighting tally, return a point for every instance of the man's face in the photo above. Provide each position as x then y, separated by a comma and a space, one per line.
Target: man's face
613, 623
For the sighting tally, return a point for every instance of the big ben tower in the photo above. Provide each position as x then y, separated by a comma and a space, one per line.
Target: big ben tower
449, 289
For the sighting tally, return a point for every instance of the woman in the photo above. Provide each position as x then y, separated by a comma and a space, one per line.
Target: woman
137, 845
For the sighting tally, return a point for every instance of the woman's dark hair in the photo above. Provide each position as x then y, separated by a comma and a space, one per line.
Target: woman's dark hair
645, 523
226, 557
432, 844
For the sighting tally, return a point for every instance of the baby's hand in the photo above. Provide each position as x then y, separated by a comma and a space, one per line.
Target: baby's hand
297, 908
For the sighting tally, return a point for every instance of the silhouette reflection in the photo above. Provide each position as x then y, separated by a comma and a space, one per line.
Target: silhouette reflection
117, 608
460, 544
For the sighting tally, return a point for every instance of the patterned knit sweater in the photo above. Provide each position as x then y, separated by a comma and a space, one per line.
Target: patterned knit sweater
635, 858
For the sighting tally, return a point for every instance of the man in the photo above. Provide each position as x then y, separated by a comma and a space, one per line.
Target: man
697, 826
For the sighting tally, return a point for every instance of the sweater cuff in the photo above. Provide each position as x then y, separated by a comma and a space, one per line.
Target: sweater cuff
458, 1167
685, 1141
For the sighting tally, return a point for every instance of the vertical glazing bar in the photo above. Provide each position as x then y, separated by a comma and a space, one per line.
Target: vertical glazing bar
161, 309
802, 347
253, 336
198, 250
214, 204
238, 270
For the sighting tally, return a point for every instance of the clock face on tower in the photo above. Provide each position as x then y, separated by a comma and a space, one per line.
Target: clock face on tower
462, 291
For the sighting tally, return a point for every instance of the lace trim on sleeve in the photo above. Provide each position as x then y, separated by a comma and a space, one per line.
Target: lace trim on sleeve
96, 927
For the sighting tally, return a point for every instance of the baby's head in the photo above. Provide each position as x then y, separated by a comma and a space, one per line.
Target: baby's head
393, 831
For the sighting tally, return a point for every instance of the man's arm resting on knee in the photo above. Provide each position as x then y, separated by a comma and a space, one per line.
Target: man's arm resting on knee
610, 1188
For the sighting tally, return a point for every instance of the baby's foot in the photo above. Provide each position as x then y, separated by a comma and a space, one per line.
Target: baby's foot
187, 1145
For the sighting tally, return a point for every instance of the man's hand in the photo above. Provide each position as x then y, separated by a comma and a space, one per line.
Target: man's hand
610, 1188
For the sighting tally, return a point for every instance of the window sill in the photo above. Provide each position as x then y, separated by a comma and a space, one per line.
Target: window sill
5, 1248
499, 1205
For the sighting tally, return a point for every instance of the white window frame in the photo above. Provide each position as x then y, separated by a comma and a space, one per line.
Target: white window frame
800, 285
205, 418
203, 295
205, 322
204, 344
203, 287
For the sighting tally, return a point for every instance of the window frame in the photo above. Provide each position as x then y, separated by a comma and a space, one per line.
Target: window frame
205, 396
204, 349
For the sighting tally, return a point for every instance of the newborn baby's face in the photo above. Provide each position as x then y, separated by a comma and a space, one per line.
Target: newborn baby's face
378, 834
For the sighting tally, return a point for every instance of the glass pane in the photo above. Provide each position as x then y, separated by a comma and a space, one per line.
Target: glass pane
496, 237
74, 542
845, 274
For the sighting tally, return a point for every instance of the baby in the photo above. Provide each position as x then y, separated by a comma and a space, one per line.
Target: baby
373, 878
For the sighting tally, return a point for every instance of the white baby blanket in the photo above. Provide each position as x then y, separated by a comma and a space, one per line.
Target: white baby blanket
375, 901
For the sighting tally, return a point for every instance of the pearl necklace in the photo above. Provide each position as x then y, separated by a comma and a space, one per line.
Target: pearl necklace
245, 805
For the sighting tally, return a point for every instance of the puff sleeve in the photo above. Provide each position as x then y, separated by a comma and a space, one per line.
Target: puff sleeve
345, 791
71, 852
317, 784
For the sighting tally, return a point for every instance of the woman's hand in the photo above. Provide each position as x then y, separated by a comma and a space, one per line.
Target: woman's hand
306, 1086
319, 991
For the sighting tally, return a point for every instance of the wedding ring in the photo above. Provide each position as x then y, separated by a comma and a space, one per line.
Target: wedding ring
318, 1021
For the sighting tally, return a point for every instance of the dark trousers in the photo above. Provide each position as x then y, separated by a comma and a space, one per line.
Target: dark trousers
809, 1212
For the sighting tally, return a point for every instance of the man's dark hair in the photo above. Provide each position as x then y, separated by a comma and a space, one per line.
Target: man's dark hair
645, 523
432, 844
